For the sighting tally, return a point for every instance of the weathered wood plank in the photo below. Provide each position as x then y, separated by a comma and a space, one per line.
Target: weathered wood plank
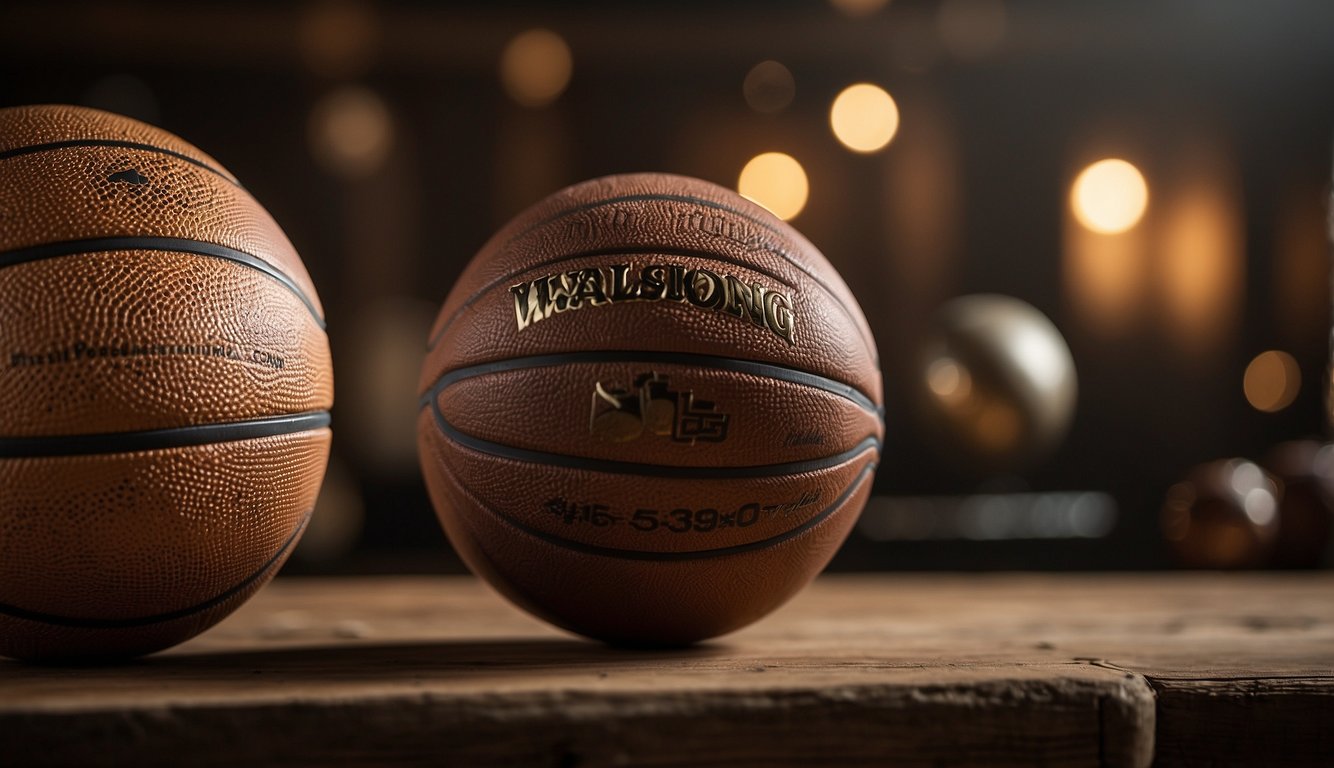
914, 670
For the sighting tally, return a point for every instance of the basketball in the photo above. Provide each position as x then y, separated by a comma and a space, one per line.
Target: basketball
651, 411
165, 383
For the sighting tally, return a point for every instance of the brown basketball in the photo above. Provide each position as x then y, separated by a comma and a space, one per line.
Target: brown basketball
651, 410
164, 388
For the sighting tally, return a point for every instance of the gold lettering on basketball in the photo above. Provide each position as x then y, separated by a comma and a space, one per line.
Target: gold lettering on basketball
750, 301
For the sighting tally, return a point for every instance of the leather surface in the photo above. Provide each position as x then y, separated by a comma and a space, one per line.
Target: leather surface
682, 470
126, 537
78, 192
125, 552
618, 599
152, 339
638, 219
769, 421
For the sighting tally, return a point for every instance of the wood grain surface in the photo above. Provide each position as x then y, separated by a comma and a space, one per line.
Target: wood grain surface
859, 670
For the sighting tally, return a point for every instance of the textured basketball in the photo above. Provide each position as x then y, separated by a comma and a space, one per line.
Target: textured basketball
651, 410
164, 388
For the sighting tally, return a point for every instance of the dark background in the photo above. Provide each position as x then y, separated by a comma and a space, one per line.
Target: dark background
1226, 107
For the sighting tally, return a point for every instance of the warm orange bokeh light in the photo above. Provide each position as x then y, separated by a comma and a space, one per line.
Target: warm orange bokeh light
864, 117
1272, 381
1109, 196
775, 181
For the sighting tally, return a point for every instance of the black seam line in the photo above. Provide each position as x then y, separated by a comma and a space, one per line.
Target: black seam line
613, 467
158, 439
707, 204
638, 250
212, 602
698, 554
767, 370
182, 245
36, 148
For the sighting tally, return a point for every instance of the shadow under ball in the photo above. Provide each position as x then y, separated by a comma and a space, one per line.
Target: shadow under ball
1306, 512
1224, 515
997, 382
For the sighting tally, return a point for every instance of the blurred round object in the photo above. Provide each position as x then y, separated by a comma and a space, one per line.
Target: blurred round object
535, 67
1223, 515
997, 381
351, 132
1109, 196
1272, 381
1306, 510
864, 117
776, 181
769, 87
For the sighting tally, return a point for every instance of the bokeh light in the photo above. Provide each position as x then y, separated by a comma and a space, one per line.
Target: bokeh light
535, 67
971, 29
351, 132
864, 117
1272, 381
858, 8
338, 38
775, 181
769, 87
1109, 196
948, 380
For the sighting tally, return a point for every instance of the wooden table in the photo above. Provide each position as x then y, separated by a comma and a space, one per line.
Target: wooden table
859, 670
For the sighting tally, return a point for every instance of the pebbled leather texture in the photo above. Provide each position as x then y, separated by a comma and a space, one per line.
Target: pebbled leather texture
144, 296
647, 468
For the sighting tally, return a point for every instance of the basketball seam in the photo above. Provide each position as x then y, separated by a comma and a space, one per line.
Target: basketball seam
870, 344
45, 251
212, 602
677, 556
614, 467
117, 143
57, 446
738, 365
595, 253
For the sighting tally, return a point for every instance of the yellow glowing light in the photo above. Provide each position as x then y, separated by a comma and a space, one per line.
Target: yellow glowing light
1109, 196
864, 117
948, 380
1272, 381
775, 181
769, 87
858, 8
351, 132
535, 67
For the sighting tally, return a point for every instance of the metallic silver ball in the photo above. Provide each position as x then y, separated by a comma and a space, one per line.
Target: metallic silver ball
997, 381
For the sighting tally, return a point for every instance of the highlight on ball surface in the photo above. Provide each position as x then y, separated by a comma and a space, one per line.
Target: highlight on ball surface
164, 391
651, 410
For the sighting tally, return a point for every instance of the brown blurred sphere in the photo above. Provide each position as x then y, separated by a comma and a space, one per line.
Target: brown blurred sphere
1223, 515
1306, 510
997, 382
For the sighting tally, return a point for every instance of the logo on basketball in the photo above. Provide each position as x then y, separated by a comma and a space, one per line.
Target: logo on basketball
621, 414
596, 286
